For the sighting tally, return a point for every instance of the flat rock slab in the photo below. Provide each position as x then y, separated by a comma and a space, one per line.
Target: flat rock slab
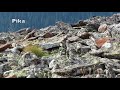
5, 46
75, 69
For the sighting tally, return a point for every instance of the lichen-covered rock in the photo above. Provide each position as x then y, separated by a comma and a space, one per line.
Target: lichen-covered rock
49, 45
18, 73
92, 27
28, 59
4, 68
87, 49
115, 31
83, 35
5, 46
3, 60
24, 31
78, 24
113, 52
63, 26
73, 39
102, 28
48, 35
52, 42
1, 70
29, 35
3, 41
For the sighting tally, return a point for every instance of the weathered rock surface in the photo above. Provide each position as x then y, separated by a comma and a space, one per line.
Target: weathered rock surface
87, 49
3, 42
52, 42
5, 46
29, 35
102, 28
24, 31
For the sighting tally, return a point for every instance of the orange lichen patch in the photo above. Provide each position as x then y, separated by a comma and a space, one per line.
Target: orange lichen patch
102, 28
101, 41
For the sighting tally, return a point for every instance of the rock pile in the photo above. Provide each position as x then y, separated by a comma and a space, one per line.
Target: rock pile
87, 49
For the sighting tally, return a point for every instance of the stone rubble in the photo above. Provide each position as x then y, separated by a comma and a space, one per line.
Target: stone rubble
87, 49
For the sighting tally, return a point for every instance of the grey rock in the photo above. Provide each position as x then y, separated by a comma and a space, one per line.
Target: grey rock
4, 68
28, 59
92, 27
58, 76
63, 26
7, 73
115, 30
74, 70
117, 76
49, 45
76, 48
84, 49
1, 69
3, 41
83, 35
113, 52
73, 39
53, 42
30, 76
79, 23
17, 49
24, 31
52, 64
2, 60
102, 28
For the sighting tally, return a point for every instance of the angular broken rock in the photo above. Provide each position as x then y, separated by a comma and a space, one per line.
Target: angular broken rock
3, 68
107, 45
49, 35
84, 35
80, 23
84, 49
28, 59
115, 30
79, 48
11, 76
73, 39
113, 52
16, 49
29, 35
112, 55
2, 60
52, 64
102, 28
5, 46
33, 38
100, 42
53, 42
92, 27
75, 69
63, 26
24, 31
49, 45
3, 42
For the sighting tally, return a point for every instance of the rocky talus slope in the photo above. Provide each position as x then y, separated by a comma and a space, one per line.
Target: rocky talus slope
87, 49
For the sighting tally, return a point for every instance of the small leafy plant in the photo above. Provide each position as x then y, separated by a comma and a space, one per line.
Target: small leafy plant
37, 50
